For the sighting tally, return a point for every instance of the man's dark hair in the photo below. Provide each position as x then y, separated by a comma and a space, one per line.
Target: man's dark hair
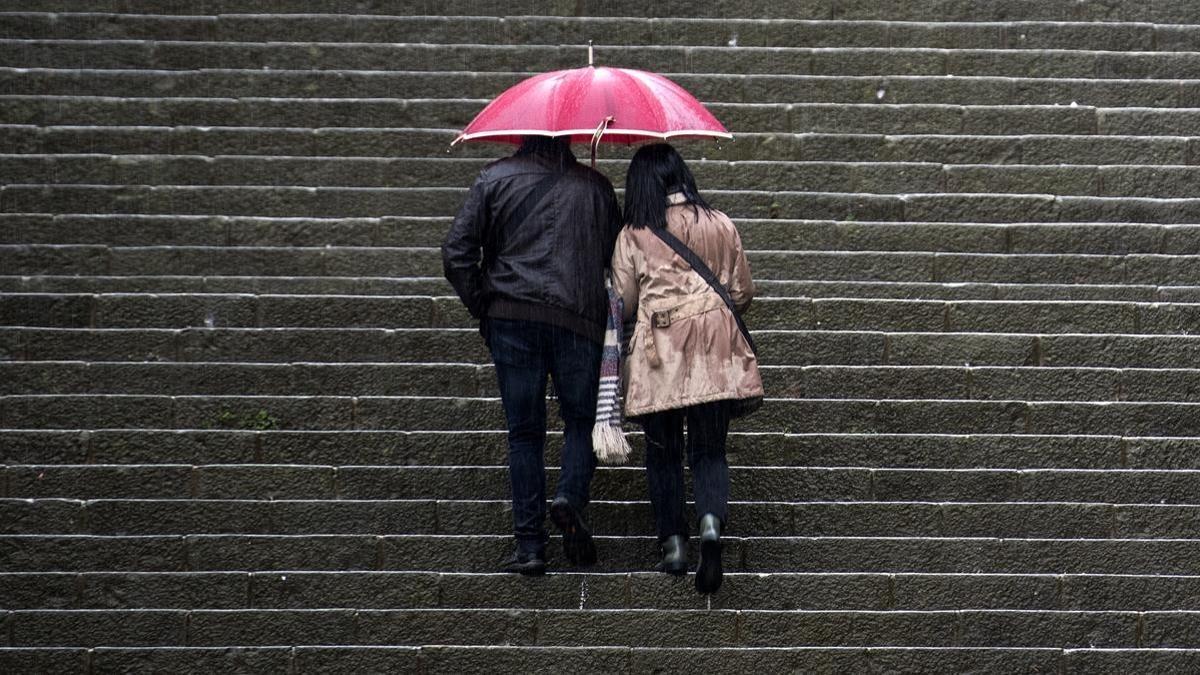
557, 150
656, 171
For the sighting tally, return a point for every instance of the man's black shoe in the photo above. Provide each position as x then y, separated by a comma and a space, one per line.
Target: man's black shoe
531, 564
577, 539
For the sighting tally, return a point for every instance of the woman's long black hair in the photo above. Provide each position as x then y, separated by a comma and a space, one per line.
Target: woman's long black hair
656, 171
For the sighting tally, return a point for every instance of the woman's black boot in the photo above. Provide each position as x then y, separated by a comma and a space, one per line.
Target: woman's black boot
674, 555
708, 575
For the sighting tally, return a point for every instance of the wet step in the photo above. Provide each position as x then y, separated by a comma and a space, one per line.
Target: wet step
463, 345
368, 202
635, 590
959, 382
794, 117
912, 416
1168, 11
602, 660
864, 177
131, 230
245, 310
1088, 492
380, 31
115, 59
314, 285
949, 148
681, 628
436, 286
662, 628
477, 76
485, 553
816, 516
489, 448
780, 264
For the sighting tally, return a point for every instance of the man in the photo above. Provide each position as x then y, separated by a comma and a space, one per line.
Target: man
527, 254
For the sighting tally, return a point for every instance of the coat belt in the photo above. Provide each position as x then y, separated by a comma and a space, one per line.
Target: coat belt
665, 316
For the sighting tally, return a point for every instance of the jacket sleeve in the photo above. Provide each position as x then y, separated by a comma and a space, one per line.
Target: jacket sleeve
624, 274
741, 286
462, 250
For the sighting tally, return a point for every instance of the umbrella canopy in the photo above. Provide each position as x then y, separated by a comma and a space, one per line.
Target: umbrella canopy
638, 106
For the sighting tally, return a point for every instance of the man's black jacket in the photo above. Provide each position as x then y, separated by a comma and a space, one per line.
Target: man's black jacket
550, 267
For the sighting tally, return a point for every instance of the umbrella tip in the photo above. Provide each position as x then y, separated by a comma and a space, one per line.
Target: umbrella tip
591, 54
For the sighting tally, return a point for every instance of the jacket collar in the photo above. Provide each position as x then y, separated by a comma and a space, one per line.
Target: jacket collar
676, 198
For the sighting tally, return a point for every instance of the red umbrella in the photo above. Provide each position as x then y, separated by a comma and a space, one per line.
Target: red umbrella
619, 105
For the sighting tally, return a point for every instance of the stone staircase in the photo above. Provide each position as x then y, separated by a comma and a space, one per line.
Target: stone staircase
245, 426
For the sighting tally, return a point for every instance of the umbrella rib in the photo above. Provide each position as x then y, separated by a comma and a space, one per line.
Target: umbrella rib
648, 102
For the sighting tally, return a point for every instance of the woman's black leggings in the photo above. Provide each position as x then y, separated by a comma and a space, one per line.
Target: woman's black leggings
707, 426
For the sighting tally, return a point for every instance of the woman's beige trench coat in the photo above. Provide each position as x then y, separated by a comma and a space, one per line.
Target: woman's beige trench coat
686, 347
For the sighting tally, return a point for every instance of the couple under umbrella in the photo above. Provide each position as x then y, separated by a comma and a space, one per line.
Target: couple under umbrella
543, 258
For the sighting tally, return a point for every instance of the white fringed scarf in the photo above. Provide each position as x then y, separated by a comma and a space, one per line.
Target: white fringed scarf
608, 440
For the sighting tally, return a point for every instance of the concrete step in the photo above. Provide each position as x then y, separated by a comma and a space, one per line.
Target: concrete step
804, 347
439, 172
252, 261
863, 486
778, 264
489, 448
335, 285
479, 76
1167, 11
779, 591
414, 312
449, 379
994, 148
420, 172
600, 660
796, 117
1010, 31
576, 627
864, 177
757, 234
38, 58
482, 553
347, 202
906, 416
137, 516
429, 286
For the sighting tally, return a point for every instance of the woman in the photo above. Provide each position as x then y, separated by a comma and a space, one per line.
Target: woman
687, 358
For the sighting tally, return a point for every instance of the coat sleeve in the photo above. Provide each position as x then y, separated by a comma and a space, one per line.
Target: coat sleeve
741, 286
462, 250
624, 274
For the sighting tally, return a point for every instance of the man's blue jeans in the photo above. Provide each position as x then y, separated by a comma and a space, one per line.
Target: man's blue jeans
525, 352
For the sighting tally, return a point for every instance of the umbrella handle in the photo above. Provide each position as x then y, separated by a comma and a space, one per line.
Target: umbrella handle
600, 129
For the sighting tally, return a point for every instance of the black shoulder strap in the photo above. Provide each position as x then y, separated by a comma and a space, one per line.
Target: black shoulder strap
707, 274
